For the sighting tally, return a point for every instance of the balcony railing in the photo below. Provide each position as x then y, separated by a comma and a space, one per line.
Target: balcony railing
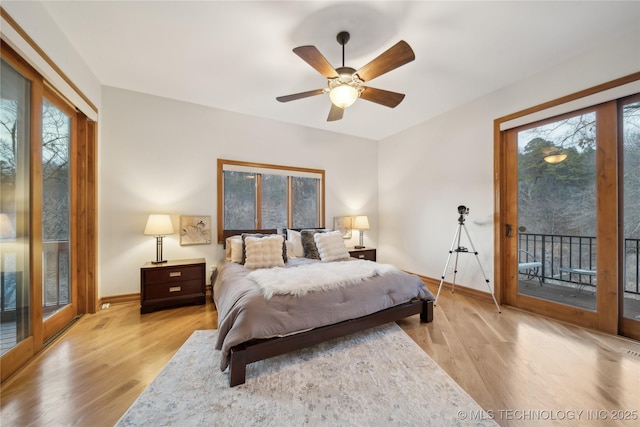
55, 280
572, 259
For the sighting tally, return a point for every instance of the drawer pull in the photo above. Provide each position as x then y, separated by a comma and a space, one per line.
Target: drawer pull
361, 256
175, 273
175, 289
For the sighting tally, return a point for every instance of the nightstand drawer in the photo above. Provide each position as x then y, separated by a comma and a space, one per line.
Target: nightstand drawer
177, 274
366, 253
175, 289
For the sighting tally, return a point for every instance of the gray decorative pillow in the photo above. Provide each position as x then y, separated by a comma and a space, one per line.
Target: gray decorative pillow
309, 244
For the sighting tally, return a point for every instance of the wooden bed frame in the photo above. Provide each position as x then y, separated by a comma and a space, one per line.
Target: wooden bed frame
260, 349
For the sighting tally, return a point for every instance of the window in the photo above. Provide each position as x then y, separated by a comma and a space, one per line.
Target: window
254, 196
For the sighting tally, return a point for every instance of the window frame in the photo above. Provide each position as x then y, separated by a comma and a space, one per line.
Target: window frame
289, 171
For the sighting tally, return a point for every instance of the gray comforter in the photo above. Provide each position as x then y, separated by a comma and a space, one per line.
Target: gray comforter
244, 314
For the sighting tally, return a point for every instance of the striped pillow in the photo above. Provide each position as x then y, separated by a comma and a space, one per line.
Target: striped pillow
331, 246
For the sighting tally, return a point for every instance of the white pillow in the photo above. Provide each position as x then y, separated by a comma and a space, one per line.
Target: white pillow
264, 252
331, 246
290, 250
233, 249
296, 239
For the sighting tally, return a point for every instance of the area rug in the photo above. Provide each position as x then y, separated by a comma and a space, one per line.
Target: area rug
379, 377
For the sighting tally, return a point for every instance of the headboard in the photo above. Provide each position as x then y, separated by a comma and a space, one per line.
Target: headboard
229, 233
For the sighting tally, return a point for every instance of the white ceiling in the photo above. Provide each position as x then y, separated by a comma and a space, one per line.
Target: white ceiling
237, 55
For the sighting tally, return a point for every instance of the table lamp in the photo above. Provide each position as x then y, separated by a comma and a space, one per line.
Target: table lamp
361, 223
159, 226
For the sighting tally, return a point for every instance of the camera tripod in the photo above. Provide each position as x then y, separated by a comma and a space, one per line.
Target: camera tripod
462, 210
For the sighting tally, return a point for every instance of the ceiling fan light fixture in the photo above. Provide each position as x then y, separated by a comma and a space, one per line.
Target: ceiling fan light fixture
554, 155
555, 158
343, 95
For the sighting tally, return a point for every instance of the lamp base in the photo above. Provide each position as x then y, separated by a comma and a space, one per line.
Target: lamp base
159, 262
359, 247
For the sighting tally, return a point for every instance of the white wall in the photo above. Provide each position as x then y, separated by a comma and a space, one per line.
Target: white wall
159, 156
430, 169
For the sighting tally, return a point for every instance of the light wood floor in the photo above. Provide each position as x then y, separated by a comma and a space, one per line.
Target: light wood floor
516, 365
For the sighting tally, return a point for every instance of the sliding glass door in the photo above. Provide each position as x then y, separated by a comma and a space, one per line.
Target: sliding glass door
47, 212
15, 261
630, 184
58, 294
565, 249
557, 227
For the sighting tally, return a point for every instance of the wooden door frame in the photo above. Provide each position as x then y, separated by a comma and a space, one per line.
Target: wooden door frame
608, 319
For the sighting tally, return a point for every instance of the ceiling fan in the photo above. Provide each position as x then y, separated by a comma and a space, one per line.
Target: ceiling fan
345, 84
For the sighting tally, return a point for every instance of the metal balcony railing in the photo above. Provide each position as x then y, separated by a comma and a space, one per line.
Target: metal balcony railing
572, 259
55, 280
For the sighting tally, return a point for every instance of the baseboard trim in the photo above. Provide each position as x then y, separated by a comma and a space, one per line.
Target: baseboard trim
434, 284
119, 299
129, 298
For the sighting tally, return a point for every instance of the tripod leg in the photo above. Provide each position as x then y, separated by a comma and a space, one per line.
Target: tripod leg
455, 265
482, 270
456, 236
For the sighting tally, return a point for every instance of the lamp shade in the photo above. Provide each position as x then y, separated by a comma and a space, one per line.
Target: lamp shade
361, 222
159, 225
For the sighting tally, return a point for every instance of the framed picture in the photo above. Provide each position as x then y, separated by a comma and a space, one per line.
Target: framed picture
343, 225
195, 230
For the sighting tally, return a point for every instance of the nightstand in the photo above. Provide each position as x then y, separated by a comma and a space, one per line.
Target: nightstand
363, 253
172, 284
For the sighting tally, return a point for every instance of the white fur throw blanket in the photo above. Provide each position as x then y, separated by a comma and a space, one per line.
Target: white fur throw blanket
300, 280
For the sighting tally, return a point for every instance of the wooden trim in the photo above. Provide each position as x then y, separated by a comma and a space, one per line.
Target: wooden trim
91, 218
434, 284
571, 97
4, 14
607, 191
219, 197
120, 299
35, 214
269, 166
82, 240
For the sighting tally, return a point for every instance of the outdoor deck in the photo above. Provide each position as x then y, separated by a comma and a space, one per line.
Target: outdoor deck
571, 294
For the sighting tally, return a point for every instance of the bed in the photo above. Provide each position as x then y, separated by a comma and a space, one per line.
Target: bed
265, 312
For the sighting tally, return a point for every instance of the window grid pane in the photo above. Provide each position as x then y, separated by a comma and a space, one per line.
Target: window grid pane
305, 202
239, 200
274, 201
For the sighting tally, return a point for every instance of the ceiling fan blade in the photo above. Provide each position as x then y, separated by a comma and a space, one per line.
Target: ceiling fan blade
394, 57
300, 95
313, 57
383, 97
335, 113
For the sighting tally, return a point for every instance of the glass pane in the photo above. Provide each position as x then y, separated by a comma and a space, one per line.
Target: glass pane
14, 207
239, 200
56, 142
557, 211
305, 202
631, 197
274, 201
